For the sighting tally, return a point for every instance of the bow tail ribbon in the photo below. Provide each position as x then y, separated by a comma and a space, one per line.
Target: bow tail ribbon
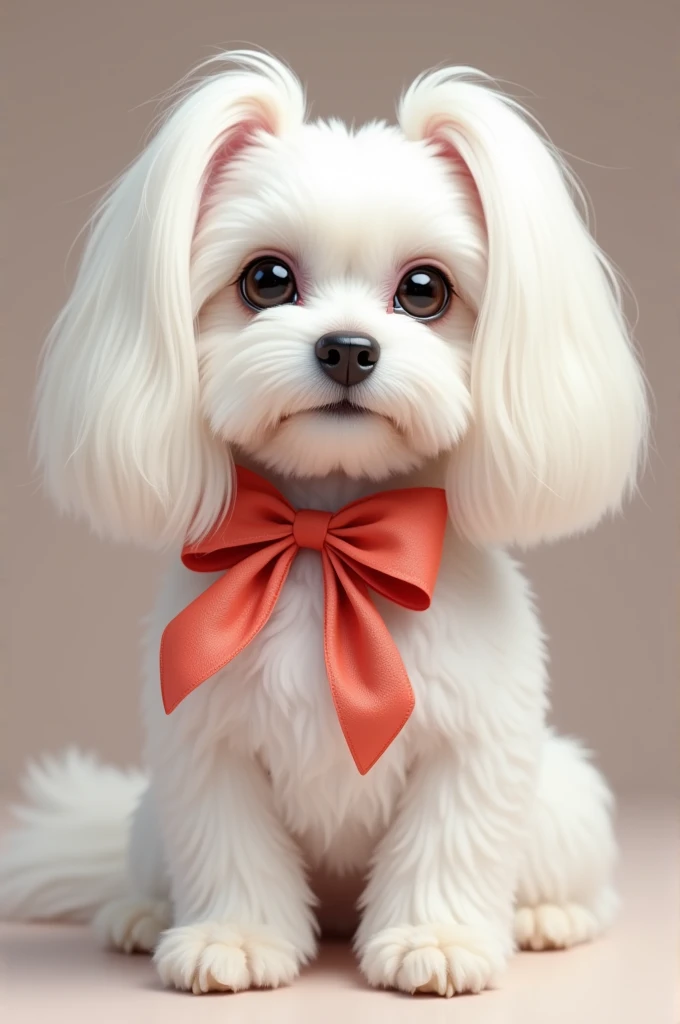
224, 618
358, 647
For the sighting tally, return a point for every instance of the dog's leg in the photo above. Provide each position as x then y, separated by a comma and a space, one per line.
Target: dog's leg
242, 906
565, 894
438, 908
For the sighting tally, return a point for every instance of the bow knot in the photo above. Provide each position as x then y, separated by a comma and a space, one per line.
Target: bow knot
389, 542
310, 528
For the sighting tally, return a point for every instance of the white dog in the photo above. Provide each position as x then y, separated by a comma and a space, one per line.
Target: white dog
496, 364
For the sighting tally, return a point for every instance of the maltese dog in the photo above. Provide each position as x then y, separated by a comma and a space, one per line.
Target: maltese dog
334, 316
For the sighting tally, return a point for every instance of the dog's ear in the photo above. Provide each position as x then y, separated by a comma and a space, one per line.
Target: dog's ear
559, 405
119, 433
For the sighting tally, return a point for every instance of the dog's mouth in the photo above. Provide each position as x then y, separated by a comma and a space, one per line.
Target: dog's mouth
343, 408
343, 412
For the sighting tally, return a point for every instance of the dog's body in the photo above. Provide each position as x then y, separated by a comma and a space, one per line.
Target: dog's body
446, 836
477, 828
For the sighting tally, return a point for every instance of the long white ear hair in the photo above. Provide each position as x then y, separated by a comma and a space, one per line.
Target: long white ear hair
119, 433
559, 403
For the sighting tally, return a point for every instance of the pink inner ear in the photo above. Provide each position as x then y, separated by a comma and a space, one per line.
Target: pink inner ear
448, 151
238, 139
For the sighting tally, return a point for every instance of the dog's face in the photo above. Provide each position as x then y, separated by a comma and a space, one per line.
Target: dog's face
364, 237
330, 300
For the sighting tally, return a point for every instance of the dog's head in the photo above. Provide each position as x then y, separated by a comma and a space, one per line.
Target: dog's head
326, 299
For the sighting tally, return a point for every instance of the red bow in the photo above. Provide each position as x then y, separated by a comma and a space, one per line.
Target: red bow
390, 542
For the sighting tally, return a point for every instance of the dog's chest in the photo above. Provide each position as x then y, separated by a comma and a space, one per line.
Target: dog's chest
278, 703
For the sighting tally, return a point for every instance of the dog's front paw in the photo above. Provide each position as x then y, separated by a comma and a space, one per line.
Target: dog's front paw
132, 925
443, 958
214, 957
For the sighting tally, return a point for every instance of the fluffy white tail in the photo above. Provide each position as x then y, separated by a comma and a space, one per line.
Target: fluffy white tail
66, 856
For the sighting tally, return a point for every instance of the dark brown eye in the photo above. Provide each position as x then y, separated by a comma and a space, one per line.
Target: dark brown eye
423, 293
268, 282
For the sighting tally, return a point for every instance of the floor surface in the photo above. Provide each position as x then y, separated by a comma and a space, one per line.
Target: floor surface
55, 973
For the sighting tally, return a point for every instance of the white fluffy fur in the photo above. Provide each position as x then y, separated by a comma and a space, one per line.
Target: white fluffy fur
79, 811
478, 827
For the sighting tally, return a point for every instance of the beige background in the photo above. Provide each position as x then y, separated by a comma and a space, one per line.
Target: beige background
82, 75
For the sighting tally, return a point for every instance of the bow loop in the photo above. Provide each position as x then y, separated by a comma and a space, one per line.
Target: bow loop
397, 555
389, 542
264, 518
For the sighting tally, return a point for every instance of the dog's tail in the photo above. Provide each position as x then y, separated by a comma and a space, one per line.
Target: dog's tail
66, 854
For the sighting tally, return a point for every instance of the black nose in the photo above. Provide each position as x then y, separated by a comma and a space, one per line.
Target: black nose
347, 358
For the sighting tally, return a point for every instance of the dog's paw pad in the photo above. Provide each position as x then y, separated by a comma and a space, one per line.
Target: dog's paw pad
444, 959
554, 926
214, 957
132, 926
